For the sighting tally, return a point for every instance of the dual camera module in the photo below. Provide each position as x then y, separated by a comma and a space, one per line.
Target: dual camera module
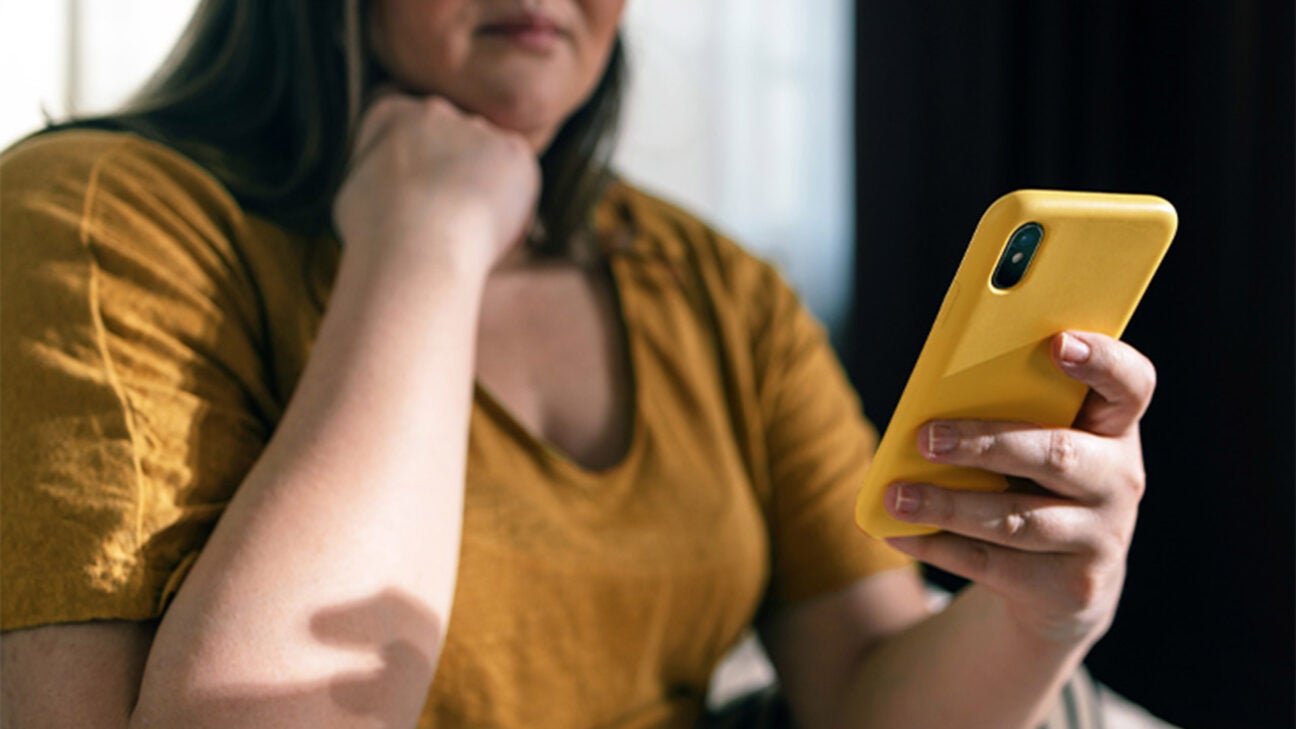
1017, 256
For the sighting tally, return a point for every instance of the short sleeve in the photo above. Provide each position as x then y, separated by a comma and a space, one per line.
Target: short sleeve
132, 398
818, 446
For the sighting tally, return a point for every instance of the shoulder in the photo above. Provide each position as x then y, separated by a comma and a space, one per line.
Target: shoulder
121, 198
755, 315
113, 179
668, 228
82, 154
665, 230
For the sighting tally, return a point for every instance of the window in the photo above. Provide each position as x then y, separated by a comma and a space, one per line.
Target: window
77, 56
741, 111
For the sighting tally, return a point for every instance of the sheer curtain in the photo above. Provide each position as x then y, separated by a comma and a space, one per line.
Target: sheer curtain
738, 109
741, 111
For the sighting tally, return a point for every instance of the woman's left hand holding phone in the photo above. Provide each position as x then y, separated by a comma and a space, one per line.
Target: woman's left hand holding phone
1047, 562
1055, 556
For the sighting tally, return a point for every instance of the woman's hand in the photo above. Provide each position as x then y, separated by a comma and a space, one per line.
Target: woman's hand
430, 180
1056, 555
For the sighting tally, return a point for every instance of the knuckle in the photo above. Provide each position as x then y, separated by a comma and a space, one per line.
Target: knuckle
1084, 587
1017, 525
1131, 371
1116, 357
1062, 456
384, 104
375, 117
984, 444
1138, 483
1112, 369
437, 103
437, 109
1149, 381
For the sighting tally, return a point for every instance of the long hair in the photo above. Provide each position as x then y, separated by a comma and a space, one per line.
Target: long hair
267, 94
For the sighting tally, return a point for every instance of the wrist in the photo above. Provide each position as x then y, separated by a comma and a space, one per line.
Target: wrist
1037, 634
458, 257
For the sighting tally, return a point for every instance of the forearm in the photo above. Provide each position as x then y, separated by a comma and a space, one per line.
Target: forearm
971, 665
324, 593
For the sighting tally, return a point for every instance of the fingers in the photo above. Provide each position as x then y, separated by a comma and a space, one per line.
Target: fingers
1122, 380
1076, 591
1002, 570
1057, 558
389, 106
380, 115
1072, 463
385, 109
1028, 522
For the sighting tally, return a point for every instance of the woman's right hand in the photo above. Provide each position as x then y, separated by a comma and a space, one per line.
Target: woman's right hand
431, 183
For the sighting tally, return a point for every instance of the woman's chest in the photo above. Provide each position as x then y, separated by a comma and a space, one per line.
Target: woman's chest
601, 590
552, 353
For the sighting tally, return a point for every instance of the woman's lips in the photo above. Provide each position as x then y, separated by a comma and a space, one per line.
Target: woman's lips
530, 32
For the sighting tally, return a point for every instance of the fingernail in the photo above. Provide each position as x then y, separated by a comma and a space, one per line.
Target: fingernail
941, 438
1073, 350
905, 498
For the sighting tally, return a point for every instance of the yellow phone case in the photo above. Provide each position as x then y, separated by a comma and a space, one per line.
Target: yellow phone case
987, 356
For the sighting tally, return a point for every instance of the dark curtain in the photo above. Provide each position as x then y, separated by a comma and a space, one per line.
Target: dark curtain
960, 102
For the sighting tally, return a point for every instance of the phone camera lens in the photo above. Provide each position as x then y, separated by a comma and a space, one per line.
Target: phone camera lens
1017, 256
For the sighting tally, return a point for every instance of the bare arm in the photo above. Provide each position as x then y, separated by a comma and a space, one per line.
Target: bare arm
336, 559
83, 674
1048, 568
323, 595
955, 668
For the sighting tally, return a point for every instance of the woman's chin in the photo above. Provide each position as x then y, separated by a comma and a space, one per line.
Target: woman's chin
527, 101
538, 126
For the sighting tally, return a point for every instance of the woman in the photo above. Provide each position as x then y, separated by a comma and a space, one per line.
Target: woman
214, 529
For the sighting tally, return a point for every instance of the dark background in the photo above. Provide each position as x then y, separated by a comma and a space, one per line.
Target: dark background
959, 103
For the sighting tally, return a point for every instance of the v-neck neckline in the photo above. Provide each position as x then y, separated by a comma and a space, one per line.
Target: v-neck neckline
555, 456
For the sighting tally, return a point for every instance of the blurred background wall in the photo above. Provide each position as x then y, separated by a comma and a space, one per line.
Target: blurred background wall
742, 110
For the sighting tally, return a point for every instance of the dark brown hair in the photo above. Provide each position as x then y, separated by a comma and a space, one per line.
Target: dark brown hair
266, 94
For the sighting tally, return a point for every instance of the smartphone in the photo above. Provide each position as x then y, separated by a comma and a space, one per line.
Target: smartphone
1040, 262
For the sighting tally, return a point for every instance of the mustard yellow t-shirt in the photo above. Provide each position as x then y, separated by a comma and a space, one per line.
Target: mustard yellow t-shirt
153, 333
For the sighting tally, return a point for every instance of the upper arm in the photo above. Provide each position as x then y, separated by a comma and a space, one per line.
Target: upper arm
816, 643
127, 408
834, 591
817, 445
134, 392
73, 674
